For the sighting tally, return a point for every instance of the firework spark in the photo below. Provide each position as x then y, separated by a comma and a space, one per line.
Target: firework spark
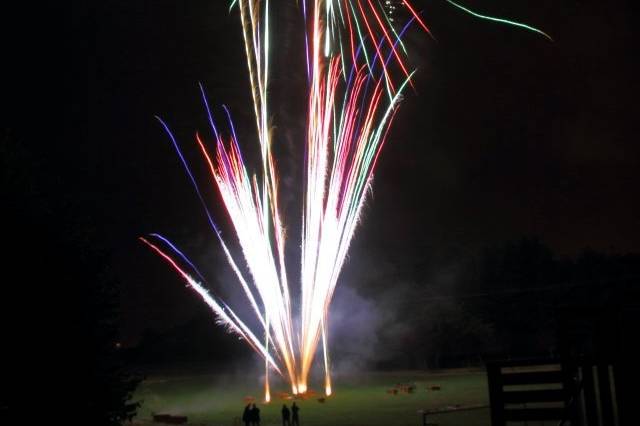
499, 20
356, 74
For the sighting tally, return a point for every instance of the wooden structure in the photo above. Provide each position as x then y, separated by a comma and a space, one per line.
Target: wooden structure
169, 419
584, 393
595, 381
527, 390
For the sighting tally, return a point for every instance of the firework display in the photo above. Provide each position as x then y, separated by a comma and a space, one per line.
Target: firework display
357, 71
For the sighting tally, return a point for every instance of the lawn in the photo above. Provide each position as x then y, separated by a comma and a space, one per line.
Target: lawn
362, 399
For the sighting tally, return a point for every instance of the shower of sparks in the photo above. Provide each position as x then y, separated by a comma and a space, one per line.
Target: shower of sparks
357, 71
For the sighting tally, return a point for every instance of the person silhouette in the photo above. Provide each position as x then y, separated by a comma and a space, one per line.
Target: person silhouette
246, 415
295, 420
286, 415
255, 415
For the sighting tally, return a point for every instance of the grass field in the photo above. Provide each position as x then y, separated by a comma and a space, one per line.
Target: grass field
359, 400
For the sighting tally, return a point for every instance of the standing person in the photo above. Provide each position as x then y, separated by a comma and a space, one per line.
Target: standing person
295, 420
286, 415
246, 415
255, 415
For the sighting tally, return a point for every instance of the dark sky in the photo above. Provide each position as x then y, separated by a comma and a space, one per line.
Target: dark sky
507, 135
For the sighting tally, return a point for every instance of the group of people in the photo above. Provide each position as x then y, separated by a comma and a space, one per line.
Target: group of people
290, 418
251, 415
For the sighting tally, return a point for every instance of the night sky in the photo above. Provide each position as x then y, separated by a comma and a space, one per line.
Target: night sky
506, 135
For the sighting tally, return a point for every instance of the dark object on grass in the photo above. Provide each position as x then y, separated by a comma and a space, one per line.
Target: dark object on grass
170, 419
424, 418
447, 409
435, 387
406, 387
402, 388
322, 399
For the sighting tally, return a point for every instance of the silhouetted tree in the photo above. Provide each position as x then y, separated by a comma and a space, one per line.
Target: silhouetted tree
69, 325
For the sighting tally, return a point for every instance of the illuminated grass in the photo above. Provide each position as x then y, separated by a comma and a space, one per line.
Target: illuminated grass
359, 400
